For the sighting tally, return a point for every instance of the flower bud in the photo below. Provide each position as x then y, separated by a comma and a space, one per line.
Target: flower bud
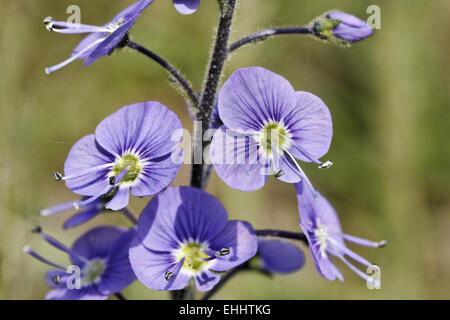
339, 25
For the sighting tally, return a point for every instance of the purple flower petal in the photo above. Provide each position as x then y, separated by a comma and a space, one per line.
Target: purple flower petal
83, 157
206, 280
351, 28
120, 199
311, 127
158, 174
236, 160
150, 268
118, 273
279, 256
186, 6
253, 97
133, 10
88, 40
110, 43
145, 128
96, 243
179, 214
240, 238
311, 209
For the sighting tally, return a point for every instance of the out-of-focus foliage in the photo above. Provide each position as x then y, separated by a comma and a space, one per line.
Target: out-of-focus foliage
388, 95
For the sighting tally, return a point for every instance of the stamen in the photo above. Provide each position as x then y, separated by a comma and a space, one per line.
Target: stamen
363, 242
56, 209
88, 170
168, 275
301, 174
358, 272
74, 57
56, 279
57, 176
35, 255
48, 23
222, 252
58, 244
326, 164
278, 173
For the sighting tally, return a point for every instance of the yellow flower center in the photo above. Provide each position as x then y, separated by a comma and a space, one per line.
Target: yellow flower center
130, 161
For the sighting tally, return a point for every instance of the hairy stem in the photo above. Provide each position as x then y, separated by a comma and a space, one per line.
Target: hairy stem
209, 92
263, 35
169, 68
282, 234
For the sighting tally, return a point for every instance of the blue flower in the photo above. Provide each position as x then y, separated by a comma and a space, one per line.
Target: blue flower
321, 226
183, 233
101, 256
267, 125
132, 149
102, 40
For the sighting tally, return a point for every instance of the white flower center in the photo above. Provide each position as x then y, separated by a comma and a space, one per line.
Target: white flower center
92, 271
321, 233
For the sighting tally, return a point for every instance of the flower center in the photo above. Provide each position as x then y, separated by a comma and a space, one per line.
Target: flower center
194, 257
273, 136
130, 161
321, 233
92, 271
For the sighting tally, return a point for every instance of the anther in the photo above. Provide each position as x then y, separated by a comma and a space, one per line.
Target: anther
168, 275
37, 229
48, 23
57, 176
278, 173
56, 279
223, 252
112, 180
382, 243
326, 164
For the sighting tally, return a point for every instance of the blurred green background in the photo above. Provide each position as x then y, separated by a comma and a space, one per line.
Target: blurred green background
388, 96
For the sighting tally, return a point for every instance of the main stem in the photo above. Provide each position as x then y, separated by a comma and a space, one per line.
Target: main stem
208, 97
209, 92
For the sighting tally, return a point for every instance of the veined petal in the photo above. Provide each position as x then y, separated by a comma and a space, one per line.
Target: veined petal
132, 10
178, 215
206, 280
310, 125
158, 174
145, 128
239, 237
237, 161
110, 43
253, 97
118, 273
84, 156
151, 267
96, 243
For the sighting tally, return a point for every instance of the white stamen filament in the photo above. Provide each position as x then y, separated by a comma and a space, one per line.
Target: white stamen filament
73, 58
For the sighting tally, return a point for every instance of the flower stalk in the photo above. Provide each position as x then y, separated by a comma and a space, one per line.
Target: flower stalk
213, 76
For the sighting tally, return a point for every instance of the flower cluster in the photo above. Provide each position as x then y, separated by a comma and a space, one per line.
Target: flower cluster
262, 127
